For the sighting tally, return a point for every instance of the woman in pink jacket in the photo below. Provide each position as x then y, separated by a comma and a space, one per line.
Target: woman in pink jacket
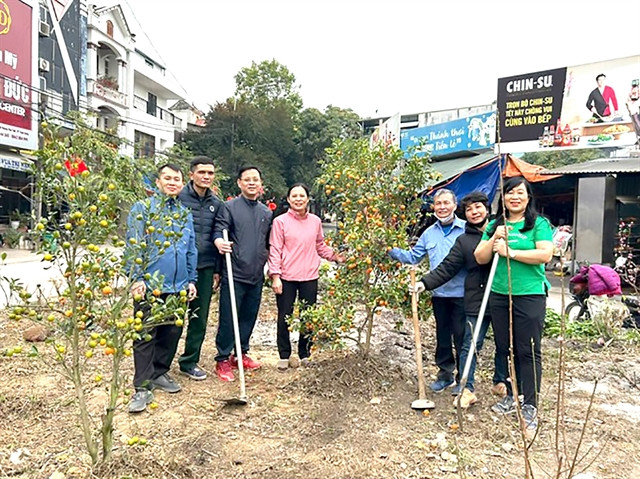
296, 246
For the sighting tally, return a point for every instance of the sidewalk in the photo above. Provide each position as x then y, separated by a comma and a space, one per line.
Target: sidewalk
16, 255
554, 300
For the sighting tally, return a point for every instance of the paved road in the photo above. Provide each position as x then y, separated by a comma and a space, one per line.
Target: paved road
28, 268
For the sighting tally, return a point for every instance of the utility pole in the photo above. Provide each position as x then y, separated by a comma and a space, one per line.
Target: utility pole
233, 126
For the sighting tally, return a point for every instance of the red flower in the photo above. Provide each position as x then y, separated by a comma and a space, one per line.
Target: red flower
272, 206
76, 166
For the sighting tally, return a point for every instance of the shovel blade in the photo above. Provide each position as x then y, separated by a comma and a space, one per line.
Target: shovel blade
238, 401
422, 404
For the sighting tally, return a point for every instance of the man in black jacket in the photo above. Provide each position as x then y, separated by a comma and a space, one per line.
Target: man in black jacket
476, 207
248, 222
205, 208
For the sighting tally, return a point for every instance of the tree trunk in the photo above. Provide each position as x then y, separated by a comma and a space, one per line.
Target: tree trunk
107, 419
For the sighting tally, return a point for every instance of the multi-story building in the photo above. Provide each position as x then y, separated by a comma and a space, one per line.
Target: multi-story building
80, 57
128, 88
414, 120
91, 61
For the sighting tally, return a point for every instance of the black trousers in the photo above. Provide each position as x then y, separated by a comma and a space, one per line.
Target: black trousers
306, 291
450, 329
528, 322
248, 298
152, 359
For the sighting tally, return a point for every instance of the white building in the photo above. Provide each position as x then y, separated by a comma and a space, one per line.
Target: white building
128, 89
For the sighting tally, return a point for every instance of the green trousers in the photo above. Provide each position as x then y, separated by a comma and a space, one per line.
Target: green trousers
198, 317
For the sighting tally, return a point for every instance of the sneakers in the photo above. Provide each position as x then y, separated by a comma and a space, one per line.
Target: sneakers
530, 417
247, 362
223, 370
466, 400
440, 385
166, 383
195, 373
499, 389
140, 400
505, 406
283, 364
305, 362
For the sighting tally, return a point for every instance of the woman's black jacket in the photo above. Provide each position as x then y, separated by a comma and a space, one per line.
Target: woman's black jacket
461, 256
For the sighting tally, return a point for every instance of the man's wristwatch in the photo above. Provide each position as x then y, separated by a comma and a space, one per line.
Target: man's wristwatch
512, 253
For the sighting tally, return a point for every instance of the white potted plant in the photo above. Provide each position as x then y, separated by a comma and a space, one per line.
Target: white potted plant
14, 219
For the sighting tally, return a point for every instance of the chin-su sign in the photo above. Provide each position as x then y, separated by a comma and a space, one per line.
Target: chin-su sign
18, 74
585, 106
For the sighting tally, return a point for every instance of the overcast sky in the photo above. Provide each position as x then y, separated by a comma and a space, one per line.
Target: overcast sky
380, 57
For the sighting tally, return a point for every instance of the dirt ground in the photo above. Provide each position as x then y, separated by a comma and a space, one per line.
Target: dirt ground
344, 417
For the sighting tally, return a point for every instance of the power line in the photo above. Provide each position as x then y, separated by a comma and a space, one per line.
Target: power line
86, 105
155, 49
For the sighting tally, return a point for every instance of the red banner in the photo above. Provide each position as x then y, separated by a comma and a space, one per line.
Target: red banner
17, 44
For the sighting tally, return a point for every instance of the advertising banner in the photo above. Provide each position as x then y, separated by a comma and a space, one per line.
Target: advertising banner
388, 132
465, 134
585, 106
18, 73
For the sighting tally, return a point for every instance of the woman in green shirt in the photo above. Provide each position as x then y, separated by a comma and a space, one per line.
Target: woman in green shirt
522, 239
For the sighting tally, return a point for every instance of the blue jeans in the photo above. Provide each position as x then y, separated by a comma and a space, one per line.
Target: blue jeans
248, 298
500, 361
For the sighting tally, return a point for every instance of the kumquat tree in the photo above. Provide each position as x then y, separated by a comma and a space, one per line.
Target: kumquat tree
374, 192
85, 186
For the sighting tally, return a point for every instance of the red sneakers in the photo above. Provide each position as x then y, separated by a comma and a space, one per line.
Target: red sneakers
223, 370
247, 362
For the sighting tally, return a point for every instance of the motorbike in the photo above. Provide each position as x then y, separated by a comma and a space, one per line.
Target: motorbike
578, 308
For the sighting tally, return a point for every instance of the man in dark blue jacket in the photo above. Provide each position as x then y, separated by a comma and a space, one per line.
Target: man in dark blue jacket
205, 208
155, 221
248, 222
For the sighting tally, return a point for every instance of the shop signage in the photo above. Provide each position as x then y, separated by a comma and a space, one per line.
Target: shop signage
585, 106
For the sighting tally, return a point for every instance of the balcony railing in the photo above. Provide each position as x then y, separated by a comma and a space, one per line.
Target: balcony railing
140, 103
108, 94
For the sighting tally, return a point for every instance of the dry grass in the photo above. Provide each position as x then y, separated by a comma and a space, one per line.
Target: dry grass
318, 421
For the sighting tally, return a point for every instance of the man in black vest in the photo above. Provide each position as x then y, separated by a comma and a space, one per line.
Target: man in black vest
205, 208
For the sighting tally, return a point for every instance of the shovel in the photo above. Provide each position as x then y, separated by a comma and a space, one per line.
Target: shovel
476, 330
242, 399
422, 402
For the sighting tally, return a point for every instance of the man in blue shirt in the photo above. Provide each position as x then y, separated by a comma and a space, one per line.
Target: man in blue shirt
447, 300
175, 261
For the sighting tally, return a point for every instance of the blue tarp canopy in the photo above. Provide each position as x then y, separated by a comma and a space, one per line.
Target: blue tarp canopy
464, 175
482, 173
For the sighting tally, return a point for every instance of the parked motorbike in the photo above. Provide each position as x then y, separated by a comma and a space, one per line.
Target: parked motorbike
578, 308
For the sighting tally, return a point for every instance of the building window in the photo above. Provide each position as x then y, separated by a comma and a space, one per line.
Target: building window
110, 28
152, 103
145, 145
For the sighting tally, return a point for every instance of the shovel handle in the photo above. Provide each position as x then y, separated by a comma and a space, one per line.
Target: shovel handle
422, 394
234, 317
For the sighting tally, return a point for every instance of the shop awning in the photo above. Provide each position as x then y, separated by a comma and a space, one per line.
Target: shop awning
601, 166
14, 161
451, 168
482, 173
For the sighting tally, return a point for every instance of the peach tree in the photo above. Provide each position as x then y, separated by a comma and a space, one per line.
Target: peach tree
85, 186
375, 194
